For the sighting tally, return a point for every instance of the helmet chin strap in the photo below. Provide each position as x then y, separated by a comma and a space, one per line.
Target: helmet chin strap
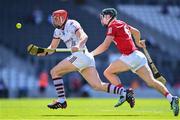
109, 22
62, 26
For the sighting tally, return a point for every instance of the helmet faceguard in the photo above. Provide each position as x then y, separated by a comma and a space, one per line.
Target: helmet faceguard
59, 18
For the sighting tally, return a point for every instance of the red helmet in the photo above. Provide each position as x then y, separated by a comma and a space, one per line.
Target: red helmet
62, 14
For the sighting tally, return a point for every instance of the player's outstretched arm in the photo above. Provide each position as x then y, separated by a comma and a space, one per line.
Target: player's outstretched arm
54, 44
103, 46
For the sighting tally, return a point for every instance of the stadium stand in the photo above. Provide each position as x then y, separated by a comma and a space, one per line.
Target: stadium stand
16, 74
165, 24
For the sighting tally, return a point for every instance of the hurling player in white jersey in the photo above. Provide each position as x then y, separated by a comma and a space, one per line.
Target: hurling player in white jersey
72, 34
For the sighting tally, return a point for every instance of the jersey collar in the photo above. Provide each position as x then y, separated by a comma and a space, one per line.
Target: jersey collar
112, 22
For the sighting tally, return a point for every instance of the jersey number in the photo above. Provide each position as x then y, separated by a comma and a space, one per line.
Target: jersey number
73, 43
126, 29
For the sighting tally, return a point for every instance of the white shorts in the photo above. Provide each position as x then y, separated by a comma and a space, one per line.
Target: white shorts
134, 60
82, 60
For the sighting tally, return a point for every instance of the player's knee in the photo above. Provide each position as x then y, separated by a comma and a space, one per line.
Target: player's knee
106, 73
151, 82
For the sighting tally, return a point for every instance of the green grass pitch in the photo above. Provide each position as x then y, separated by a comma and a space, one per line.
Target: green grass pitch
83, 109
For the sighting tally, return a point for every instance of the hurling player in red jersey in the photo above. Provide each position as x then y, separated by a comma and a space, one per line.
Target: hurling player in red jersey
121, 33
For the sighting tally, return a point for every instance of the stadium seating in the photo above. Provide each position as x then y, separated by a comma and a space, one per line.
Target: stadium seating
165, 24
16, 73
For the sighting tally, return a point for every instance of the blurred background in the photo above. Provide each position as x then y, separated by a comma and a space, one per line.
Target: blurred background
23, 75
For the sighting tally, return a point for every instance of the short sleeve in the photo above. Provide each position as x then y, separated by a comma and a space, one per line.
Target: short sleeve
111, 31
75, 26
56, 34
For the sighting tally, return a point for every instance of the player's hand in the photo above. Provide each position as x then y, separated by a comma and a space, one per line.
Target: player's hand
141, 44
74, 49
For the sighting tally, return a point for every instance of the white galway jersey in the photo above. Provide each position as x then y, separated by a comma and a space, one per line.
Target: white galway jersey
68, 35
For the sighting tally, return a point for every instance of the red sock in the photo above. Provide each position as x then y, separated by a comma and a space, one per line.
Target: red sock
119, 85
166, 94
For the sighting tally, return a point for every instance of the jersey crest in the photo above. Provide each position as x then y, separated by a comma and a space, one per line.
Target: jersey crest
109, 30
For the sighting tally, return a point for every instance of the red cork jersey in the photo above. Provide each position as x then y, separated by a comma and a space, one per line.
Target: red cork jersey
122, 36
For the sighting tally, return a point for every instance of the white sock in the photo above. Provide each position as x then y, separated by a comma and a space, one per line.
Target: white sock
124, 93
59, 85
61, 100
115, 90
169, 97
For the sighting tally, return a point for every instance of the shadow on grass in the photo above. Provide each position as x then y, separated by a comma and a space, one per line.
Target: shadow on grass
88, 115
